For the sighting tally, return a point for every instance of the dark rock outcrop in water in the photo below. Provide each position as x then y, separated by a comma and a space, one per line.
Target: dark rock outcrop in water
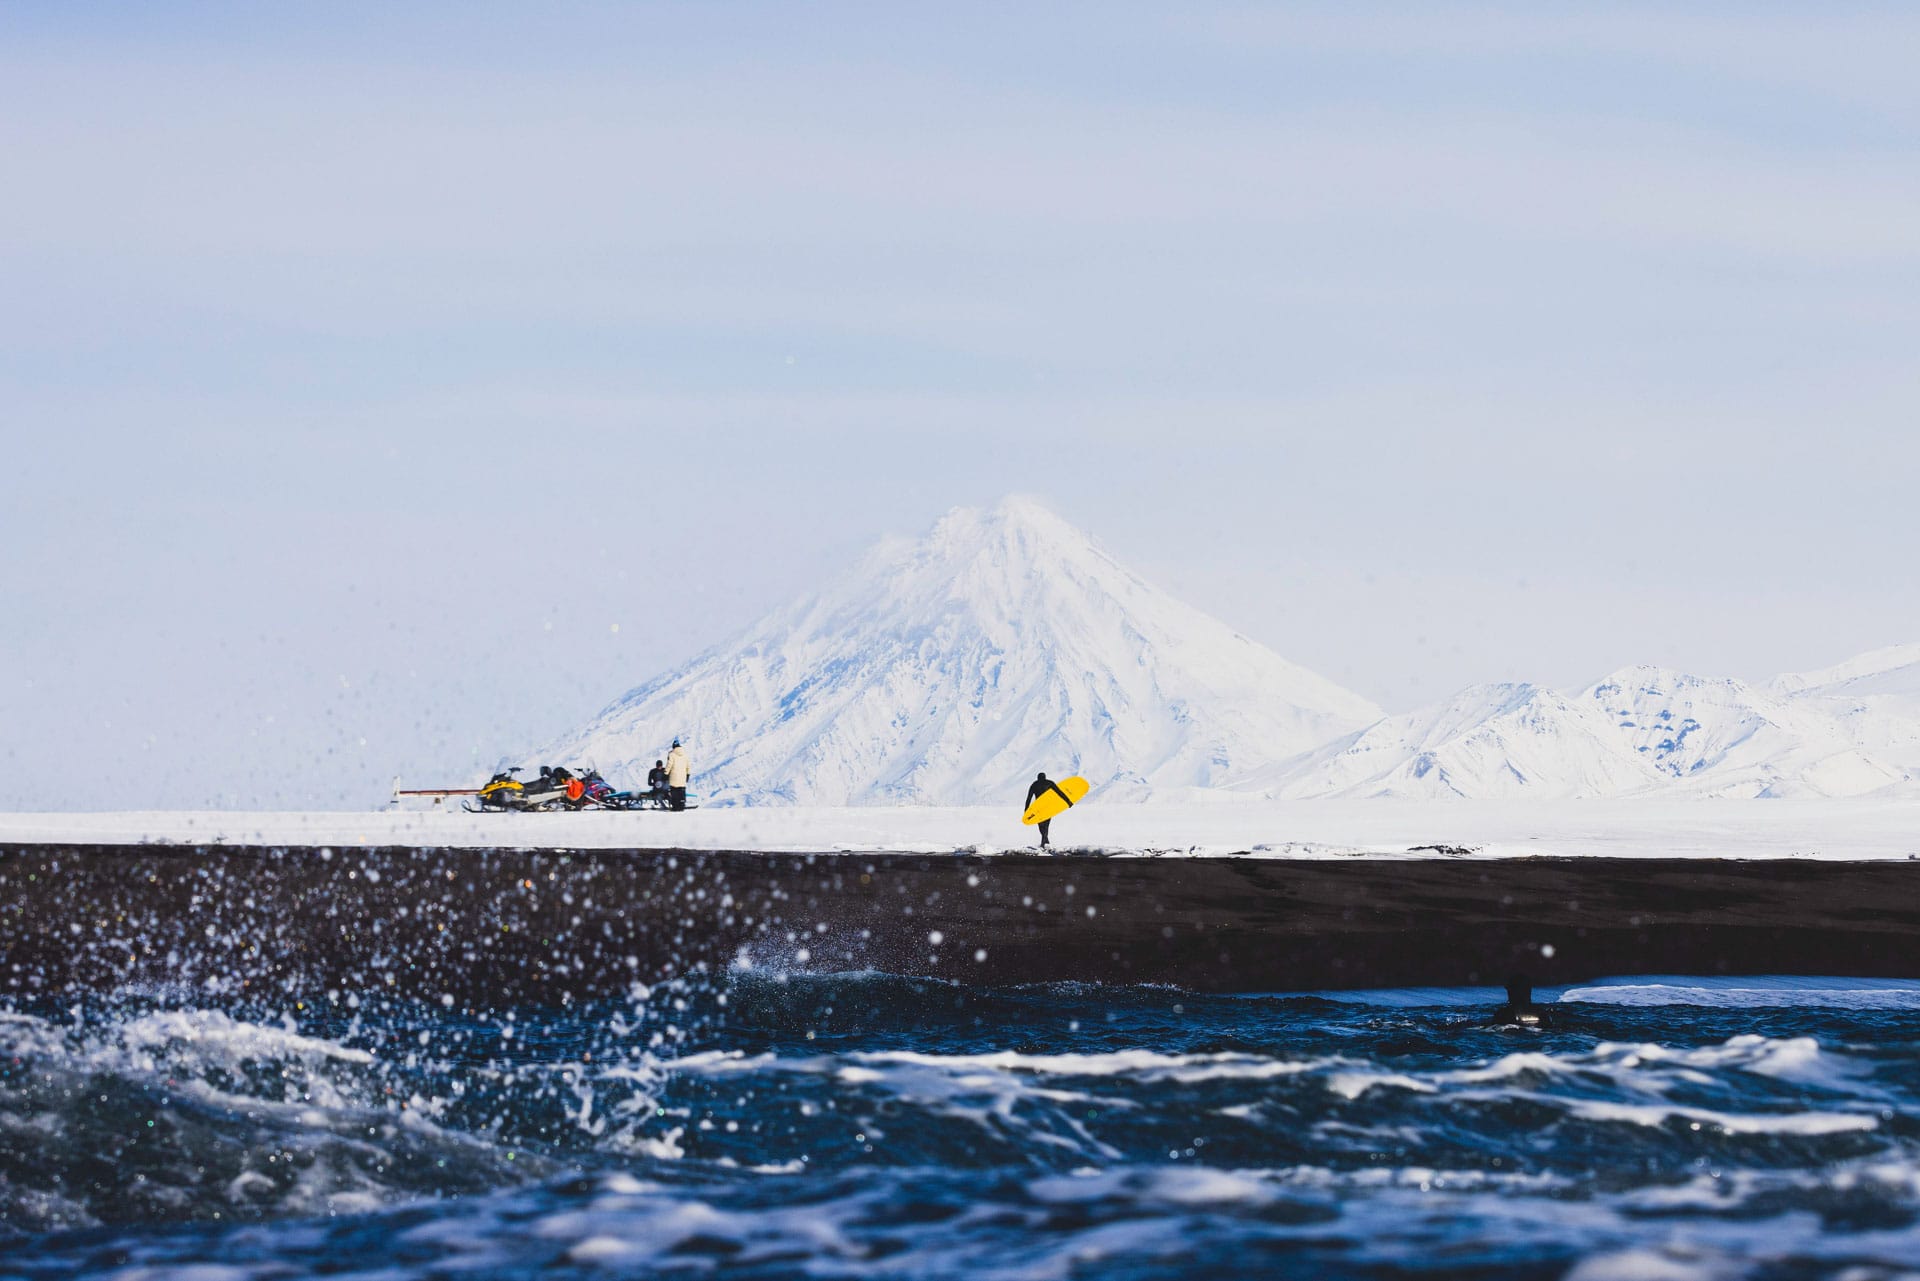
506, 927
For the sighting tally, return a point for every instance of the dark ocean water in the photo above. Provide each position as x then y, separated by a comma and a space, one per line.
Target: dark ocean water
865, 1125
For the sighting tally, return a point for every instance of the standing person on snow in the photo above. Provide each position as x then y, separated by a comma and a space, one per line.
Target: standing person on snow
1039, 787
677, 773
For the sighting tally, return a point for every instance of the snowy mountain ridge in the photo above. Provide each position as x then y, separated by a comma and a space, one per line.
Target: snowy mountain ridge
950, 669
1642, 730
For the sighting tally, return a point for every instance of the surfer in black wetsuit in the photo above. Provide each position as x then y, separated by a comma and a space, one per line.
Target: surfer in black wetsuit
1038, 788
1520, 1011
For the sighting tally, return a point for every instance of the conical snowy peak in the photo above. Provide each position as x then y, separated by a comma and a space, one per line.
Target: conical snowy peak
952, 668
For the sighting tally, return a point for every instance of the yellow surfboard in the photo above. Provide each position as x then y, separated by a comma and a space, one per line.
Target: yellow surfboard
1049, 805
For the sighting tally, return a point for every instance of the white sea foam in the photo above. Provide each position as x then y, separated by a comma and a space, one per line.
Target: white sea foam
1804, 1123
1858, 995
220, 1036
1141, 1064
1646, 1067
1511, 1065
1351, 1085
602, 1249
1173, 1185
1643, 1264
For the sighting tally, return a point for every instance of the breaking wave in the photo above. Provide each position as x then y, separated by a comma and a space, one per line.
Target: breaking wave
857, 1125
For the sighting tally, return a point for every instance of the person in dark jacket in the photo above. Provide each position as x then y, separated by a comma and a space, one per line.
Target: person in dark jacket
657, 779
1038, 788
1520, 1011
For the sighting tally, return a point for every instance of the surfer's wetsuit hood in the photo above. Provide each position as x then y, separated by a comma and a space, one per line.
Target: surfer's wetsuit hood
1042, 785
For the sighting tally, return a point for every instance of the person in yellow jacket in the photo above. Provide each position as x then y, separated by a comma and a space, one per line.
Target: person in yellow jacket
678, 771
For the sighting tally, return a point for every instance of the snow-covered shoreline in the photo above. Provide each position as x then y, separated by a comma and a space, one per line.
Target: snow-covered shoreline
1824, 829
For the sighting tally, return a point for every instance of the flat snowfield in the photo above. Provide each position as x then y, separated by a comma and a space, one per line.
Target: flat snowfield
1823, 829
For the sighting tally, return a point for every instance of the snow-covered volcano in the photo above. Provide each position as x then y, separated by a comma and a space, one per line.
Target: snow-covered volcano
951, 669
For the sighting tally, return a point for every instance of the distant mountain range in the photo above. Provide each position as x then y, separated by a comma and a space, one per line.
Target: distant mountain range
1641, 730
949, 670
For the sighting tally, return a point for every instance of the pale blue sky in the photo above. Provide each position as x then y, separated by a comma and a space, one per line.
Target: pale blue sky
360, 369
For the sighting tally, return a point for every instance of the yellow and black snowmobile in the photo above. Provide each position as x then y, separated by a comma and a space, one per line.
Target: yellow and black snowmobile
502, 792
548, 792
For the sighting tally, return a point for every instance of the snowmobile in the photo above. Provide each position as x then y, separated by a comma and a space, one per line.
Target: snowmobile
502, 792
581, 791
594, 791
551, 790
548, 792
